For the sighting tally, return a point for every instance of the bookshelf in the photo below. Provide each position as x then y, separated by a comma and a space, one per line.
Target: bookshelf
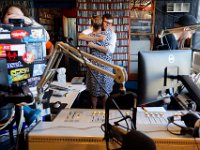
121, 14
142, 15
52, 22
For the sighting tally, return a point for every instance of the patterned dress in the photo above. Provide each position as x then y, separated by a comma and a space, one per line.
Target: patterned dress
105, 81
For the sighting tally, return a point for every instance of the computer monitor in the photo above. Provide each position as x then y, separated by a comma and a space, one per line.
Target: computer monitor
156, 70
196, 61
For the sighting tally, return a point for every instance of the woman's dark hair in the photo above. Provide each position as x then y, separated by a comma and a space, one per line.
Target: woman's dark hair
107, 16
5, 10
97, 22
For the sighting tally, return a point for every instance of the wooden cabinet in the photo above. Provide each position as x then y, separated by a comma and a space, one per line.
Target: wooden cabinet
121, 14
142, 16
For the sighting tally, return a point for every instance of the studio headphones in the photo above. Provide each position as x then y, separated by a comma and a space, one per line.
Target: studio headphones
192, 122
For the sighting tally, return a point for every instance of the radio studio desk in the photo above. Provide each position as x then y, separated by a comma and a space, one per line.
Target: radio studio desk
73, 92
79, 129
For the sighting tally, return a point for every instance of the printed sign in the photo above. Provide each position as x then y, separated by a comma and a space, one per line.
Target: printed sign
19, 34
28, 57
19, 74
3, 49
12, 56
14, 65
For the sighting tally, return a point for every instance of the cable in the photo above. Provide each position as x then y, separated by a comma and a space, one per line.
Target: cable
171, 131
2, 126
107, 145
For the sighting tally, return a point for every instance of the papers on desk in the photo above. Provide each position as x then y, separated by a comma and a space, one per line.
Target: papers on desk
58, 87
70, 92
77, 80
58, 91
69, 86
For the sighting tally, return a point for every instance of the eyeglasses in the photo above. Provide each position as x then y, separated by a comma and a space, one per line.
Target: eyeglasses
108, 23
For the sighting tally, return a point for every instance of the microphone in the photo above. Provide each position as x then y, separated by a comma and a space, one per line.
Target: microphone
117, 133
138, 141
132, 139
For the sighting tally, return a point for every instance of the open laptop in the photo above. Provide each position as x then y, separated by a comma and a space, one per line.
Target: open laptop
25, 52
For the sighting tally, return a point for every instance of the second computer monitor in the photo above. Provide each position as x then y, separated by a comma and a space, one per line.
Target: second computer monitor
156, 70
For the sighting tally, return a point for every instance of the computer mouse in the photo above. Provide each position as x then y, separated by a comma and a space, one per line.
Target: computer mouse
57, 105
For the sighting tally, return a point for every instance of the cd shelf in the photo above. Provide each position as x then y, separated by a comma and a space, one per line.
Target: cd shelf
120, 11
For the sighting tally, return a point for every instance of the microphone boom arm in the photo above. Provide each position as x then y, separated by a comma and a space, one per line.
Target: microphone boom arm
177, 29
120, 75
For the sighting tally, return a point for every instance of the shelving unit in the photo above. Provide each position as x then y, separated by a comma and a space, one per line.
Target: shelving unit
121, 14
142, 15
178, 7
52, 22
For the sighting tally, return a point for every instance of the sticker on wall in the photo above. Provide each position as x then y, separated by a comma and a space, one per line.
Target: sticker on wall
32, 82
38, 69
14, 65
19, 34
12, 56
28, 57
36, 49
3, 49
20, 74
5, 36
18, 47
37, 35
2, 52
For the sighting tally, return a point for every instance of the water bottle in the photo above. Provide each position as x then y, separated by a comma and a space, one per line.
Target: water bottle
61, 76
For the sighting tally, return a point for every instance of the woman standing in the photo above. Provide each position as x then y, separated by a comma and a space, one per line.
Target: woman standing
98, 84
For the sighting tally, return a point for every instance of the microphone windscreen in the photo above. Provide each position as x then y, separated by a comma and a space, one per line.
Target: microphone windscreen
138, 141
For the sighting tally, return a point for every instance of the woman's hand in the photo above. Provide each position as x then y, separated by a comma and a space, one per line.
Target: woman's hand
91, 45
101, 37
27, 20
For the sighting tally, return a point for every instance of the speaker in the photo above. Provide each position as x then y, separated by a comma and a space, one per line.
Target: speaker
192, 122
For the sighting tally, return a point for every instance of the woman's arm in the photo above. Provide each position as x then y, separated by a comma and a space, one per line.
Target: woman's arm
98, 47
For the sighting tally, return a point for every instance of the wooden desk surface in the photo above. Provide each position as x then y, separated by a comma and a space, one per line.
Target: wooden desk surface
69, 98
80, 129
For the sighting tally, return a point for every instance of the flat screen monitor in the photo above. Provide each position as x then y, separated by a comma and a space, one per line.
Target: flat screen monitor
155, 72
196, 61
